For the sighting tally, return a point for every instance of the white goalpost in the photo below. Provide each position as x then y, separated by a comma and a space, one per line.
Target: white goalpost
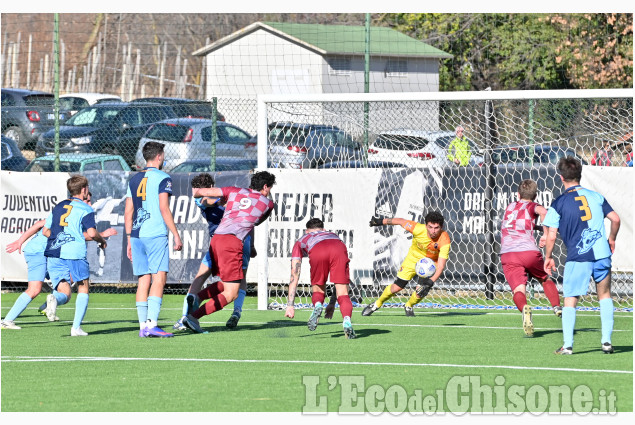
346, 157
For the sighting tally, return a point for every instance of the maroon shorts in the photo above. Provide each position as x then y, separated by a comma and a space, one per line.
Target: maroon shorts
516, 266
227, 257
329, 256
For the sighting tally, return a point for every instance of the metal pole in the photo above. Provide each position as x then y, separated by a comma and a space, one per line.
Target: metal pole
366, 86
56, 88
490, 182
530, 135
212, 163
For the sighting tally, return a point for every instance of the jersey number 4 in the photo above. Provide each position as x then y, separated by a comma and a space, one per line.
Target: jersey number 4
584, 208
63, 217
141, 189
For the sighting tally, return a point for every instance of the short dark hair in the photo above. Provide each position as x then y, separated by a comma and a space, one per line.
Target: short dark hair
262, 178
75, 184
528, 189
434, 217
570, 169
151, 150
315, 223
203, 180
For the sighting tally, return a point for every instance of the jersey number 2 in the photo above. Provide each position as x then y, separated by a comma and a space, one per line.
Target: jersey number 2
141, 189
68, 209
584, 208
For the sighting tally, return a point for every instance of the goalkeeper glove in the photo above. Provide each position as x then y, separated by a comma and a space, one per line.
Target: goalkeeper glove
376, 221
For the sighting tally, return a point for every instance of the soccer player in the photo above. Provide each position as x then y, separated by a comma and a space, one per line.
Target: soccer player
328, 258
520, 255
147, 220
213, 211
578, 214
244, 209
66, 249
429, 240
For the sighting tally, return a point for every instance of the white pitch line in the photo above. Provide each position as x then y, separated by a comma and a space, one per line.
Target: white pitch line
8, 359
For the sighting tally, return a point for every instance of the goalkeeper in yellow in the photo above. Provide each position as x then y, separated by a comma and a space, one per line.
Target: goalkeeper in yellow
429, 240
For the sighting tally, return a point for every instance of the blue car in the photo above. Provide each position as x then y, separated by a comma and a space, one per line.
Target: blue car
12, 158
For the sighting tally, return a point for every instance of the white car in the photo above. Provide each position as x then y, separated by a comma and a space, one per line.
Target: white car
417, 148
73, 102
188, 139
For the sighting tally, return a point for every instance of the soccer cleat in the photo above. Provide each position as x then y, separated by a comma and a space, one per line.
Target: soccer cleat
192, 324
409, 311
564, 351
369, 309
348, 329
232, 322
315, 317
42, 309
142, 333
557, 310
179, 326
528, 325
51, 308
78, 332
156, 332
9, 324
607, 348
191, 301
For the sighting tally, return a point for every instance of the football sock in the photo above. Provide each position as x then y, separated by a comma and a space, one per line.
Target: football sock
414, 299
214, 304
154, 307
142, 313
606, 315
317, 297
346, 306
18, 307
568, 324
239, 301
551, 292
81, 304
520, 299
43, 306
211, 291
385, 296
60, 297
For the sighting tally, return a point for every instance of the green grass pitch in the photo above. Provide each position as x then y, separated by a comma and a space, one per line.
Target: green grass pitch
270, 363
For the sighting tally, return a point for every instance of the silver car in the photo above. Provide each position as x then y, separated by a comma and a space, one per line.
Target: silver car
191, 138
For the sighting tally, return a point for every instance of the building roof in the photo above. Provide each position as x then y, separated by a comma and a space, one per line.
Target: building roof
337, 40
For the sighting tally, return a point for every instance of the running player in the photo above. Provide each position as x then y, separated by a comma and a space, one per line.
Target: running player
328, 258
520, 255
578, 214
147, 220
244, 209
429, 240
66, 249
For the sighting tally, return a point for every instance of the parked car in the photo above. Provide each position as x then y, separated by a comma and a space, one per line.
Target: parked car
417, 148
190, 138
185, 108
26, 114
11, 158
73, 102
521, 155
114, 128
297, 145
360, 164
72, 163
224, 163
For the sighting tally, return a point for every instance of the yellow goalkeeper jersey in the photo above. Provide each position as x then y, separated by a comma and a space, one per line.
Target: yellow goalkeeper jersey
424, 246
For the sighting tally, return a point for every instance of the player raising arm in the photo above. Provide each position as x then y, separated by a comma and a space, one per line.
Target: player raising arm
429, 240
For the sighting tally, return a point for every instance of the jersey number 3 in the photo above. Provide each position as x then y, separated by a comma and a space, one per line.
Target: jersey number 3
68, 209
584, 208
141, 189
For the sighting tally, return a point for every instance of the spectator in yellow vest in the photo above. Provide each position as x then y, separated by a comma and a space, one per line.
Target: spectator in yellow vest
459, 149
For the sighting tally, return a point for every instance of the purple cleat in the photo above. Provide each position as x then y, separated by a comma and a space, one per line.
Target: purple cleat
157, 332
142, 333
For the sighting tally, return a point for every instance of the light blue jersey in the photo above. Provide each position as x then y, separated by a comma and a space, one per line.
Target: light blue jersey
68, 221
144, 189
37, 244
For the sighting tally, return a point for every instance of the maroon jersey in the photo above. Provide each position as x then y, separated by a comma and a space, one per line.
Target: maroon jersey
517, 230
244, 209
305, 244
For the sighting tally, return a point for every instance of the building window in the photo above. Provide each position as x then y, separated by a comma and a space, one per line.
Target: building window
340, 66
396, 68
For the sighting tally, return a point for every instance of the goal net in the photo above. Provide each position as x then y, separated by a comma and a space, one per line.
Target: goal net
344, 158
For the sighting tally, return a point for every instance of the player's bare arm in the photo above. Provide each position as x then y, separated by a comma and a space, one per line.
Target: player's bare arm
208, 201
213, 192
164, 206
441, 262
17, 244
128, 212
46, 231
296, 266
615, 227
376, 221
95, 236
105, 234
551, 234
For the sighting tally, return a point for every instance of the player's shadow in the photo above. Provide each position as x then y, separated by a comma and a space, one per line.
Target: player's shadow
541, 333
618, 349
134, 327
